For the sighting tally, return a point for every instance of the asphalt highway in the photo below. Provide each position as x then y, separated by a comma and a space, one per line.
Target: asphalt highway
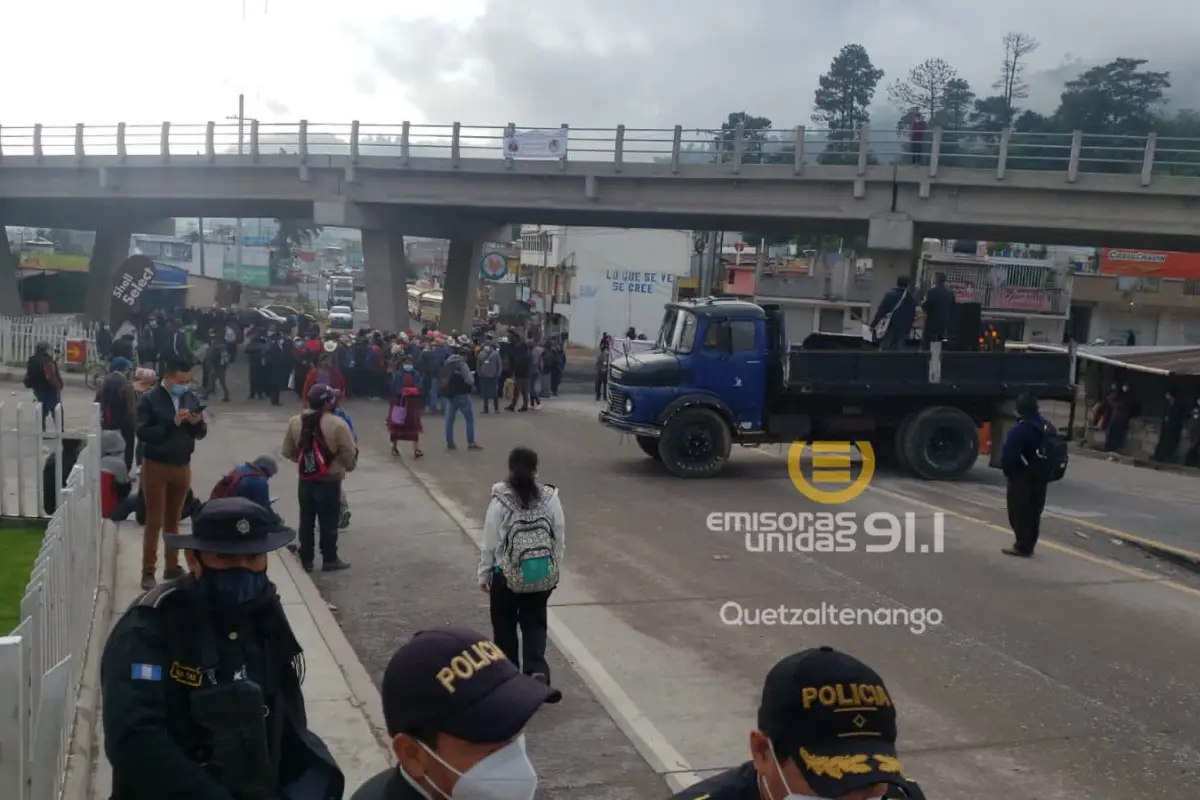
1068, 675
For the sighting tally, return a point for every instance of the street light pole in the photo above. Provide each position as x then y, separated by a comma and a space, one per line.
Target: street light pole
238, 234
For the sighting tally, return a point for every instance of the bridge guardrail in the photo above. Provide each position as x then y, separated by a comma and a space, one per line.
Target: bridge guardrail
42, 661
795, 148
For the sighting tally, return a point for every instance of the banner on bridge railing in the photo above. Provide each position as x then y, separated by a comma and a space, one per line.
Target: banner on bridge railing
535, 144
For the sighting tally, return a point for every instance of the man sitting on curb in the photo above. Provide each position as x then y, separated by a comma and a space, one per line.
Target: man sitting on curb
456, 733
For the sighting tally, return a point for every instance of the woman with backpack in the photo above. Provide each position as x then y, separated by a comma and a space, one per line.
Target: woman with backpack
520, 561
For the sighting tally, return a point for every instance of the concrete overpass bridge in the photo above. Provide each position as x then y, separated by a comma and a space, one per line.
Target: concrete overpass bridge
461, 183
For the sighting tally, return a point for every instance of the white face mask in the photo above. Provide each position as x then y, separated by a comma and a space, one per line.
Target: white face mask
790, 794
506, 774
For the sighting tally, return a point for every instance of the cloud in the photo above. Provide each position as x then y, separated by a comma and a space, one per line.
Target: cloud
656, 63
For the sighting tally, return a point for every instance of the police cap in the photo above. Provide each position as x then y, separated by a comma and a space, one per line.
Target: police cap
832, 716
458, 682
233, 526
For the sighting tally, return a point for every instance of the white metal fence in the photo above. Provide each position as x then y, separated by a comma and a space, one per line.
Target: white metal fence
41, 662
19, 335
25, 445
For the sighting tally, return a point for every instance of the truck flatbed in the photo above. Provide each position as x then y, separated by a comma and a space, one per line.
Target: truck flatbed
876, 373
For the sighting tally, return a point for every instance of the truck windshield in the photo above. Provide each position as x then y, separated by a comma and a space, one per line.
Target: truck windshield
678, 331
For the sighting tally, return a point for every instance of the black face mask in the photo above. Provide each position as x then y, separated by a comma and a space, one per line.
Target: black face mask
234, 586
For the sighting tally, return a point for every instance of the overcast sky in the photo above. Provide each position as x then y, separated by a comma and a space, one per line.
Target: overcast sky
644, 63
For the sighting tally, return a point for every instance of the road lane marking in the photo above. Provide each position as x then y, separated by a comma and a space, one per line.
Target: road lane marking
649, 741
1100, 560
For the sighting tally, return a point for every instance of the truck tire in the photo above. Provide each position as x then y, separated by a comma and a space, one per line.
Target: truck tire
695, 443
649, 446
899, 442
941, 443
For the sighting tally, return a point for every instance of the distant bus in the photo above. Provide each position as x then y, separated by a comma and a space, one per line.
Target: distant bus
424, 305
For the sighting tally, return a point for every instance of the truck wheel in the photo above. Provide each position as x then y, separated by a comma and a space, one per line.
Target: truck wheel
899, 443
941, 443
695, 443
649, 446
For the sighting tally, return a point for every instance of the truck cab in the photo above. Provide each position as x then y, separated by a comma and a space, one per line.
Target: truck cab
722, 372
710, 358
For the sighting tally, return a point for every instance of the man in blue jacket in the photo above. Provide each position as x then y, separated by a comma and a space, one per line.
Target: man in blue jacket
1026, 490
900, 304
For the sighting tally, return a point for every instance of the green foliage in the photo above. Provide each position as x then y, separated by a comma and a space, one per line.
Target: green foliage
846, 90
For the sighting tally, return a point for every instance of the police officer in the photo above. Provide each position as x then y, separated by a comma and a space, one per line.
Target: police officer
826, 730
200, 678
456, 709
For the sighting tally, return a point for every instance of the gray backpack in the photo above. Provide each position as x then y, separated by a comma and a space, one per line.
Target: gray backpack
527, 559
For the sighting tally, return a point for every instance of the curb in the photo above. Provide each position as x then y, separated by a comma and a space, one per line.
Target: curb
77, 783
362, 688
649, 743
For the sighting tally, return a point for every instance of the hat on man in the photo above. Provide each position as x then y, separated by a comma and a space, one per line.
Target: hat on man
831, 714
458, 682
232, 526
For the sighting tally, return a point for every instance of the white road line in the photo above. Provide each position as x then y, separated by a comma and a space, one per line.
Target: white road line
637, 727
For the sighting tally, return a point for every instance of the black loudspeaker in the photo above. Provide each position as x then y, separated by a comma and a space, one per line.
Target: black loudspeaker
966, 326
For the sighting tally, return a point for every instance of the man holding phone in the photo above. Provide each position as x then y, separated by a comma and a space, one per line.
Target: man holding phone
170, 421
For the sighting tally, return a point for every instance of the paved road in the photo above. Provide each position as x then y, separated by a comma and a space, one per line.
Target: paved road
1069, 675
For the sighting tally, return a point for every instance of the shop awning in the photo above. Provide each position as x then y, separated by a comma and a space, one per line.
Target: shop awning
1168, 360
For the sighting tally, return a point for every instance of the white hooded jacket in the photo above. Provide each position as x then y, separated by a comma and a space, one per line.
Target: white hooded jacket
495, 525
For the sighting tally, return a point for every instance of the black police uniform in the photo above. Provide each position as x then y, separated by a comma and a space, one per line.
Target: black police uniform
826, 706
178, 659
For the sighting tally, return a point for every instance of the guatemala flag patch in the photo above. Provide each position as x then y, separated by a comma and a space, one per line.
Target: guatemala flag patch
147, 672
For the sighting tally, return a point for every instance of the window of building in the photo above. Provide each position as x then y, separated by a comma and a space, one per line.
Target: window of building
831, 320
1148, 285
1191, 287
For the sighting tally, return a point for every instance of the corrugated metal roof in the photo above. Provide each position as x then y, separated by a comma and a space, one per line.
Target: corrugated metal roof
1167, 360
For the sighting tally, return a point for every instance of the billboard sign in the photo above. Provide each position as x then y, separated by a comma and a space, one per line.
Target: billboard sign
1149, 263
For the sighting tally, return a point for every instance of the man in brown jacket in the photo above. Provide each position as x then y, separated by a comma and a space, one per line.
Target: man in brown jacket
321, 444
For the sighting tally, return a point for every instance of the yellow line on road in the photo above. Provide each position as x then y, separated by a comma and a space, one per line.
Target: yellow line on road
1095, 559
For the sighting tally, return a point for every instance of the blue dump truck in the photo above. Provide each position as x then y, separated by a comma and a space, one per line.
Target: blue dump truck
721, 373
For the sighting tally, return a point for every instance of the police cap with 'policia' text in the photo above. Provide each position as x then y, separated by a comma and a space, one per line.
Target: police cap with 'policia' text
831, 714
458, 682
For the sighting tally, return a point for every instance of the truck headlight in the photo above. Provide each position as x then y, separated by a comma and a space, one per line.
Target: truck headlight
628, 406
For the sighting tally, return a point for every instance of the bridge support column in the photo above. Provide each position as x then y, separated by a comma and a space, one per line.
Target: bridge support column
387, 273
110, 249
10, 293
462, 285
893, 249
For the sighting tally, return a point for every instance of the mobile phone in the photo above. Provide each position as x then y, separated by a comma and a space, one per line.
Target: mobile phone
199, 409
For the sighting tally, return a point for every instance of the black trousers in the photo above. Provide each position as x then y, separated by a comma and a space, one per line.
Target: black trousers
602, 385
320, 507
527, 612
1026, 501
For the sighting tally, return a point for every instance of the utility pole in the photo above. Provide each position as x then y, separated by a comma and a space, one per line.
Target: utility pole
241, 118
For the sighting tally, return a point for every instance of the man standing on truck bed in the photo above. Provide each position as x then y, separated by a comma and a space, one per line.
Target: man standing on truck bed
894, 318
939, 310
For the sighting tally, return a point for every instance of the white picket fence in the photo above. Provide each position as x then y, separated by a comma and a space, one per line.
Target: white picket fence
19, 335
41, 661
24, 448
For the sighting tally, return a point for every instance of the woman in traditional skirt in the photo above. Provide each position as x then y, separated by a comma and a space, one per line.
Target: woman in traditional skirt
404, 411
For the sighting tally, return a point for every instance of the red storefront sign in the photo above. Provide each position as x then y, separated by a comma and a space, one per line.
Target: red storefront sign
76, 352
1150, 263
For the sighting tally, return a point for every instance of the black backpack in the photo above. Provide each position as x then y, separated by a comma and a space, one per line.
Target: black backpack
1049, 462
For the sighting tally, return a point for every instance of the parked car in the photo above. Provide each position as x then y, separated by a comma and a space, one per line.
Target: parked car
341, 317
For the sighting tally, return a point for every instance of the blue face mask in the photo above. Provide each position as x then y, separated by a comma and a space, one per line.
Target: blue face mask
236, 585
408, 367
179, 389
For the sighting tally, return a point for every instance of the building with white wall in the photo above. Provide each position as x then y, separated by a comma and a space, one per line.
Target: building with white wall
603, 280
